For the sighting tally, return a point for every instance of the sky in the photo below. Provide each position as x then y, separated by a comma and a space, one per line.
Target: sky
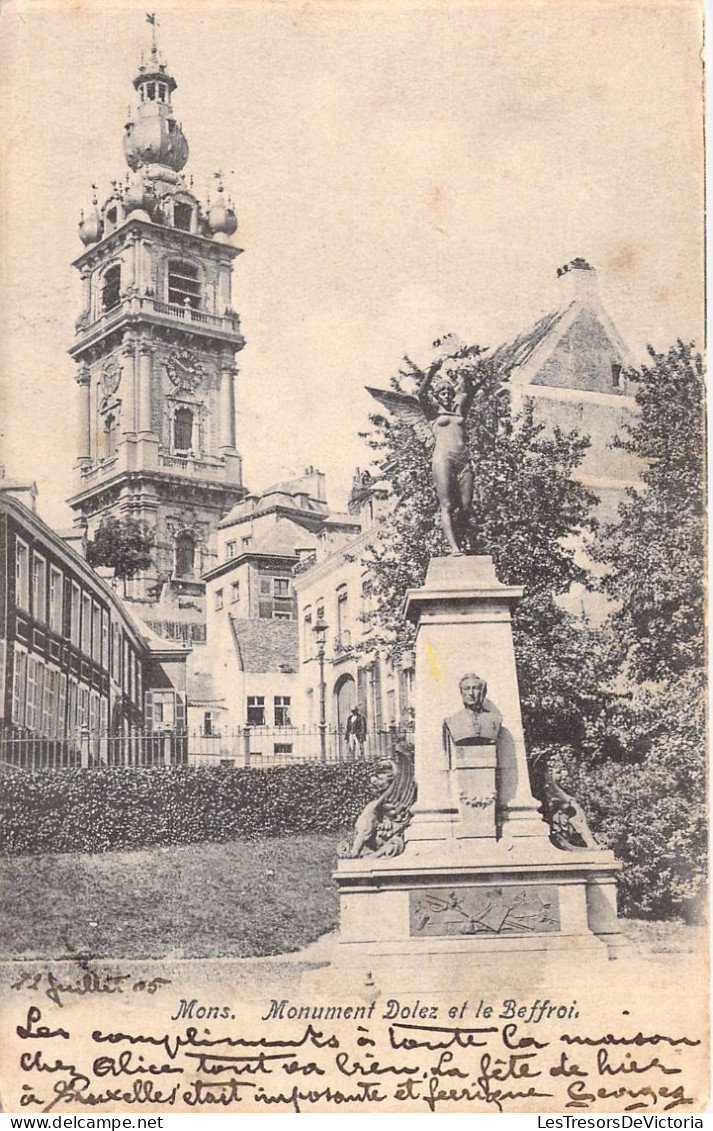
400, 171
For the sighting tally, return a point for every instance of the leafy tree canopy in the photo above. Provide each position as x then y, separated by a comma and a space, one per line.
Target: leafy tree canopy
654, 553
122, 544
528, 513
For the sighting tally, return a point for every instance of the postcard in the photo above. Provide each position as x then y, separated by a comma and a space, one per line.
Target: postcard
352, 517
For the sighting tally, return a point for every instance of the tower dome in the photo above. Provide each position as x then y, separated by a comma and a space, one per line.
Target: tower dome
153, 136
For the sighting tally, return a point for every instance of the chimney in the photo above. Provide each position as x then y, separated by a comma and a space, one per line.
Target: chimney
24, 490
578, 283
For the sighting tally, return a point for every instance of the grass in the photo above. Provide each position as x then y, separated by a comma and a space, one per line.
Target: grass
193, 901
199, 901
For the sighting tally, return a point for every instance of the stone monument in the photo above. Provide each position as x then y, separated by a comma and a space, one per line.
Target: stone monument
467, 870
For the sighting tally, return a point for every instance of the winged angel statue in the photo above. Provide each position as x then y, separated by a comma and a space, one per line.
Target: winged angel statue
438, 414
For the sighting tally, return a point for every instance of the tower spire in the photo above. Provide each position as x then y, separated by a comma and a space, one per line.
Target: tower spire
152, 19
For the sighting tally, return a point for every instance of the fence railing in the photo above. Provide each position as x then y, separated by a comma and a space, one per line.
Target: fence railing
256, 747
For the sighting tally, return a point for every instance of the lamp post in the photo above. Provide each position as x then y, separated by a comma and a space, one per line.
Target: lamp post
320, 635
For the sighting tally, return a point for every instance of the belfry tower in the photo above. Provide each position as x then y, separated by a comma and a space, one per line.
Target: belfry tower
155, 349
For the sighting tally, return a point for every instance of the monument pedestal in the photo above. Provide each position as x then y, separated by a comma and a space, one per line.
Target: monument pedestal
479, 878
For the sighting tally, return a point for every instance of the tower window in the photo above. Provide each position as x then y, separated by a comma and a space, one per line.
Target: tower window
182, 216
184, 287
183, 430
162, 92
110, 436
151, 92
185, 555
111, 288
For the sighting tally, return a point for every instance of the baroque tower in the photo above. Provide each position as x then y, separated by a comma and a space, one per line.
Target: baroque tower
155, 350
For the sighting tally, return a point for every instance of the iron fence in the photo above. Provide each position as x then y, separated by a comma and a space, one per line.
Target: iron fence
256, 747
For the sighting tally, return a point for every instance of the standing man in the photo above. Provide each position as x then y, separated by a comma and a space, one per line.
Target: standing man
355, 733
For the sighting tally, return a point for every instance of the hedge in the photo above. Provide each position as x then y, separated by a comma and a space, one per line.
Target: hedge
95, 810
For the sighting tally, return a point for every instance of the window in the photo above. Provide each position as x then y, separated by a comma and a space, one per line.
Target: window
282, 587
247, 540
72, 715
185, 555
282, 614
234, 592
48, 703
151, 92
182, 216
74, 616
109, 436
22, 574
55, 599
163, 713
39, 587
256, 710
60, 705
105, 640
615, 374
116, 652
230, 550
282, 711
162, 91
18, 687
86, 644
111, 286
218, 600
93, 712
184, 288
282, 748
97, 634
83, 708
342, 609
265, 588
183, 430
207, 723
34, 693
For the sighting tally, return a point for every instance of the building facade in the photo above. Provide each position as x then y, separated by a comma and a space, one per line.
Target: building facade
155, 351
73, 661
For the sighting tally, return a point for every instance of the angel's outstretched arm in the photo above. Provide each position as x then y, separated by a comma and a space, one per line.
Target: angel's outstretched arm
425, 397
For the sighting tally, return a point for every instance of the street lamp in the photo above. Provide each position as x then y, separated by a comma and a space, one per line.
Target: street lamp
320, 635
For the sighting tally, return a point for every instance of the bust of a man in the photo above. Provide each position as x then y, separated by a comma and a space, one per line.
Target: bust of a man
479, 722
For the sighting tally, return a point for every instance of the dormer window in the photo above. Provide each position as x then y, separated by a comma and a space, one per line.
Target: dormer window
111, 285
184, 288
182, 216
615, 374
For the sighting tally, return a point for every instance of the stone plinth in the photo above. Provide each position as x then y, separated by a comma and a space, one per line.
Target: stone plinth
479, 877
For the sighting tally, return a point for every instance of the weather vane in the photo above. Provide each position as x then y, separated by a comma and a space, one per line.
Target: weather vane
151, 19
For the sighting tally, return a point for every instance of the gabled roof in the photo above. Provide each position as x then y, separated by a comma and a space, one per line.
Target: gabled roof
569, 331
266, 645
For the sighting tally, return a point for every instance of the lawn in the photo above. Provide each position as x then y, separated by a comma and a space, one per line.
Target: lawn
238, 899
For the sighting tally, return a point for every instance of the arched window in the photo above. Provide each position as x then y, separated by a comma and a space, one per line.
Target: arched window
109, 436
183, 430
185, 554
111, 286
184, 288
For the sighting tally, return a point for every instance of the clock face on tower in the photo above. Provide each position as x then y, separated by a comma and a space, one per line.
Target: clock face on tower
184, 370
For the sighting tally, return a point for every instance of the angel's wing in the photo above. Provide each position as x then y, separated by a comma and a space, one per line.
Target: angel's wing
406, 408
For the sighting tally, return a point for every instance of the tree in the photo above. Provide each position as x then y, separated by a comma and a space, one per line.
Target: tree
528, 513
648, 802
654, 553
122, 544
